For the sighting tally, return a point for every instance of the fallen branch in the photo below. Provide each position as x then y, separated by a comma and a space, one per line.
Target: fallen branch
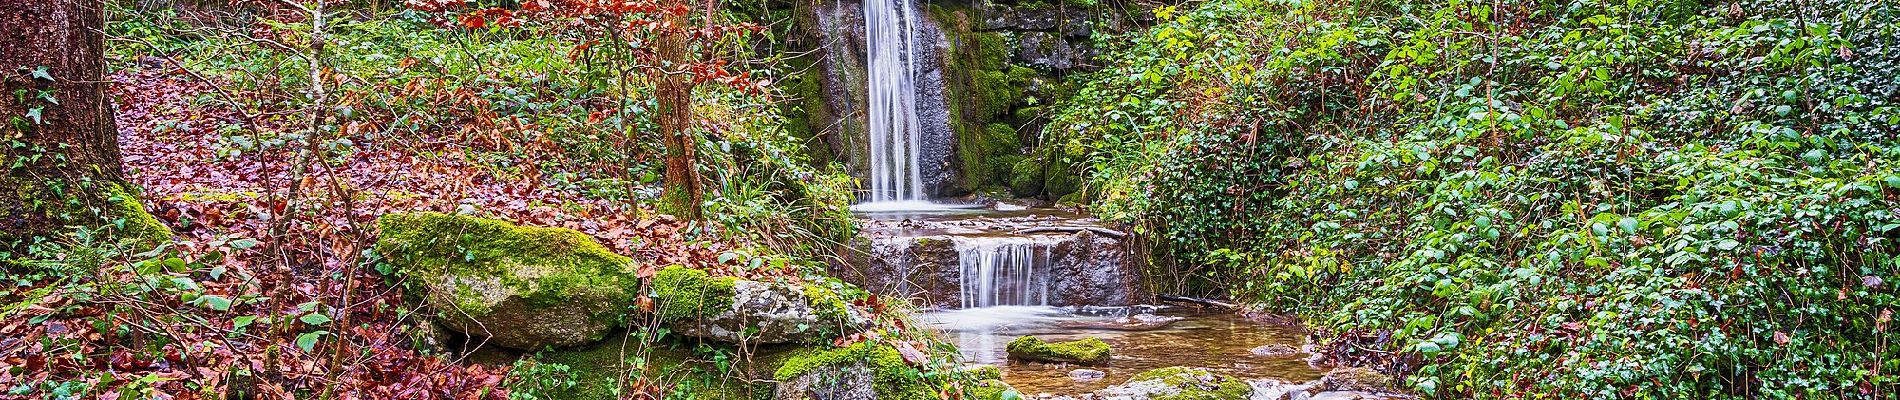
1197, 300
1073, 229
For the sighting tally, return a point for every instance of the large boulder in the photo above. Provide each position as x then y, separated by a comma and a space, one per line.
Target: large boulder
518, 287
1178, 383
693, 303
1090, 351
863, 371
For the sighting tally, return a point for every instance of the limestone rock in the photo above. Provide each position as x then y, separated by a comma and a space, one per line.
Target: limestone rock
518, 287
863, 371
1086, 375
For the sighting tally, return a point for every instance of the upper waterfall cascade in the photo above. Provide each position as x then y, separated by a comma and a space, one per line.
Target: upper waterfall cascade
895, 127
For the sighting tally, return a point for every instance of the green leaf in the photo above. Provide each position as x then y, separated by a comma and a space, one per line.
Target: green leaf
314, 319
1628, 224
244, 243
42, 73
214, 302
308, 341
244, 321
35, 114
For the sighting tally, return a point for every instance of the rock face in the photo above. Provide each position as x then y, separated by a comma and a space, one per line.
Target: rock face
741, 311
1089, 351
519, 287
1354, 379
841, 73
1179, 383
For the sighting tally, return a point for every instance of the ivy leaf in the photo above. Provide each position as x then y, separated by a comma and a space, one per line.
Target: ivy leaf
314, 319
308, 341
214, 302
1628, 224
244, 321
42, 73
35, 114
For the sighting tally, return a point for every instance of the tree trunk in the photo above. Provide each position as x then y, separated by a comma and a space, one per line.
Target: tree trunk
682, 194
59, 144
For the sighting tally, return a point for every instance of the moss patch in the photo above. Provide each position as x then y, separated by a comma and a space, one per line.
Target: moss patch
546, 267
685, 294
38, 205
1196, 384
893, 380
1085, 351
994, 389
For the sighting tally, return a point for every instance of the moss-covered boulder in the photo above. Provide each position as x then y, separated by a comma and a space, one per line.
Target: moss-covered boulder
1089, 351
519, 287
1178, 383
863, 371
696, 304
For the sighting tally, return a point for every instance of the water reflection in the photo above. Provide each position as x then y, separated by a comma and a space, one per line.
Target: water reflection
1221, 342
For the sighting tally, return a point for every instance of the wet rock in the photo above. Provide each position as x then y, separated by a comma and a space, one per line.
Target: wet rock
845, 382
1355, 379
1274, 389
1178, 383
518, 287
1088, 351
1095, 270
1047, 51
1276, 350
741, 311
1077, 268
1086, 375
1138, 322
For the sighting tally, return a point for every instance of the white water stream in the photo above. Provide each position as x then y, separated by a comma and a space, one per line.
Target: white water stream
895, 129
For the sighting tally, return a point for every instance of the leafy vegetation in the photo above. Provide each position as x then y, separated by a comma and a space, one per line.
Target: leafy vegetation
1541, 199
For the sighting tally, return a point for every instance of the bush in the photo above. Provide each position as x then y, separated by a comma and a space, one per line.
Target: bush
1583, 199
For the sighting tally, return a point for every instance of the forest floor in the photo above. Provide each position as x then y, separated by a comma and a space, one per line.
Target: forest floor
224, 311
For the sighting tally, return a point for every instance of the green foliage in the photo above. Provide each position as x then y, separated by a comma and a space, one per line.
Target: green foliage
1623, 199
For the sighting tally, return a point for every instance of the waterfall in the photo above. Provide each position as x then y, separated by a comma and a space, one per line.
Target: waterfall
1003, 271
894, 127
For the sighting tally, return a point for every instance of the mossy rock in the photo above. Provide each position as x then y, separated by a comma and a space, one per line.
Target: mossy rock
862, 371
1090, 351
520, 287
730, 310
1179, 383
1026, 178
994, 389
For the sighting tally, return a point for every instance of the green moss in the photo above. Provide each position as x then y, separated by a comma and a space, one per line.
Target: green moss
52, 205
893, 380
1196, 384
547, 267
986, 372
994, 389
1026, 177
595, 372
1085, 351
688, 294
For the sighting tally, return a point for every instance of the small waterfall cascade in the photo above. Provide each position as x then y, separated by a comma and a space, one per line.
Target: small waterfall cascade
1004, 271
894, 124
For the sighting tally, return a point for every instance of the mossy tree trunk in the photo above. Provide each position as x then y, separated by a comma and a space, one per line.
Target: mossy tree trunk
59, 144
683, 191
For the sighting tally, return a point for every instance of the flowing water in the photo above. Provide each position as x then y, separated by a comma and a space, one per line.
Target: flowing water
895, 127
1004, 271
1221, 342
